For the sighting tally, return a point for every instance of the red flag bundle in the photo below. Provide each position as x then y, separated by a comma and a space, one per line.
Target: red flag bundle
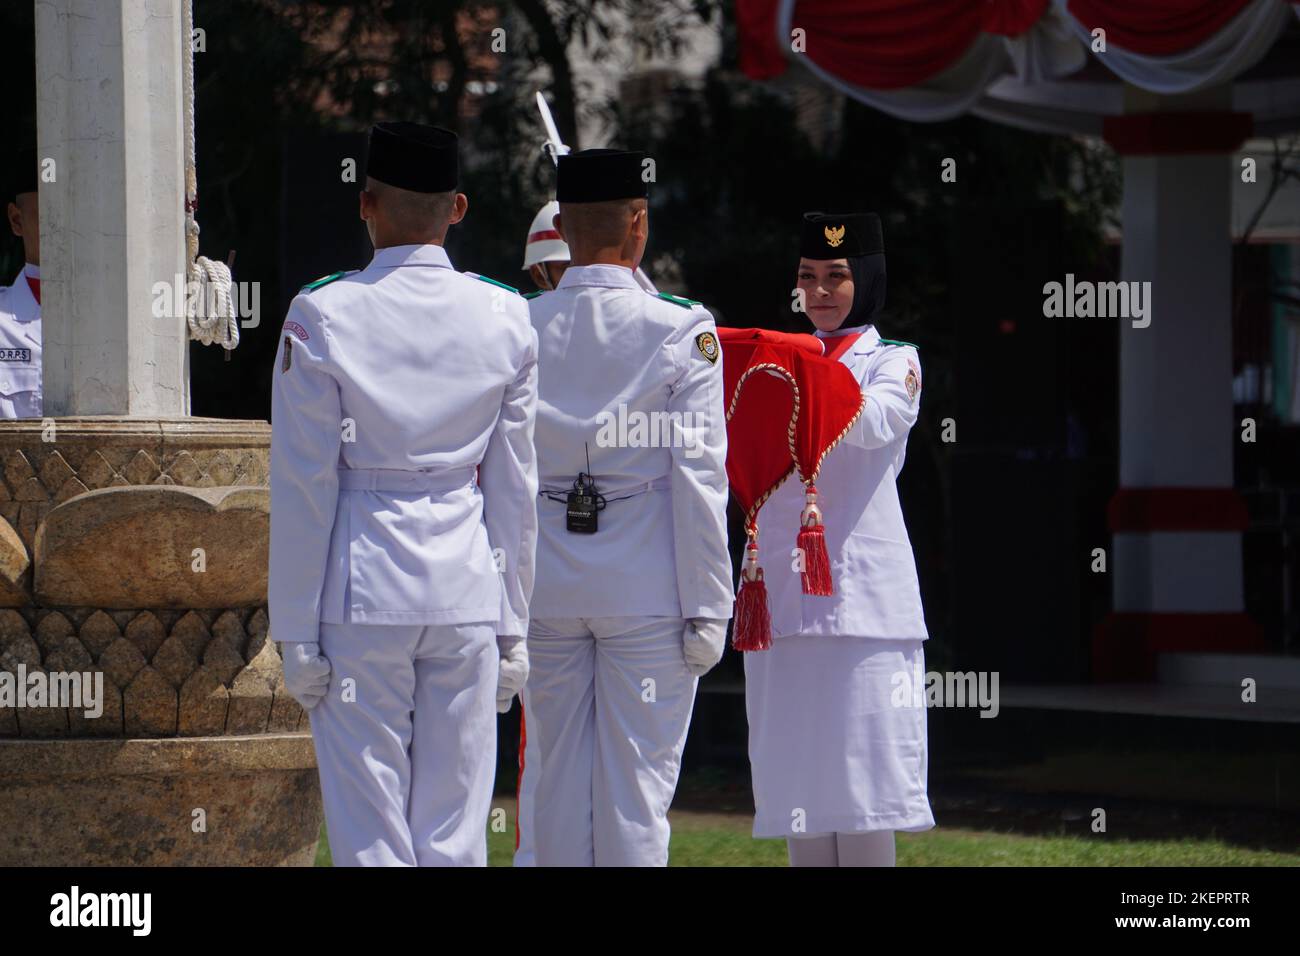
787, 406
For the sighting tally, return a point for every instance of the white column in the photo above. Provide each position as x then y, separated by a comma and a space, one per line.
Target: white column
1176, 427
109, 105
1177, 550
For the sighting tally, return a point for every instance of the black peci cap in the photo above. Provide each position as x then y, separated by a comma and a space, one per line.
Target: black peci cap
601, 175
413, 156
840, 235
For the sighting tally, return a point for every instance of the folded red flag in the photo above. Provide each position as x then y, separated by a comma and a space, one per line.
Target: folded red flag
775, 379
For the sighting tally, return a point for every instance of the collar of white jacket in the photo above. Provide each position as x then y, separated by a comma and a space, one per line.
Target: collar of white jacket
868, 330
428, 254
603, 274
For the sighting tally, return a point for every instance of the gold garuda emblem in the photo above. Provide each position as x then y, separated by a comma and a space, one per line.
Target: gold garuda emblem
834, 236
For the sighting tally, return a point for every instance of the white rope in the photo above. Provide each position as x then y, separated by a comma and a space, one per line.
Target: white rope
209, 308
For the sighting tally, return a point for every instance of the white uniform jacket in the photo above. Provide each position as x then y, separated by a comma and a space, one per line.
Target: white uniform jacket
637, 380
20, 348
872, 567
393, 386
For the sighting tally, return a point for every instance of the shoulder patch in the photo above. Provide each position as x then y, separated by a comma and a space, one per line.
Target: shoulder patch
291, 326
899, 342
707, 343
533, 295
678, 300
326, 280
495, 282
912, 382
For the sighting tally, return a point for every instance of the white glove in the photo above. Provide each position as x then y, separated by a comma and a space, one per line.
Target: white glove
702, 644
306, 673
513, 671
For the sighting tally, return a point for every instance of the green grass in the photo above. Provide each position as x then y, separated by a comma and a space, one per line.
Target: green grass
722, 839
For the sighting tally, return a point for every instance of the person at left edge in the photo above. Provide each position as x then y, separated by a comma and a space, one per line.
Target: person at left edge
20, 302
403, 518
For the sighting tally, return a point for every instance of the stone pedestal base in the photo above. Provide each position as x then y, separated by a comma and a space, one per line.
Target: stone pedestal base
133, 560
197, 801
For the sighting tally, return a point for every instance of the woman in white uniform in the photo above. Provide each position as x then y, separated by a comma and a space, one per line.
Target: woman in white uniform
837, 730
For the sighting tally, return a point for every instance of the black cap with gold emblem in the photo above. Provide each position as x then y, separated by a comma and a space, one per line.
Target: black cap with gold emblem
601, 175
857, 238
413, 156
840, 235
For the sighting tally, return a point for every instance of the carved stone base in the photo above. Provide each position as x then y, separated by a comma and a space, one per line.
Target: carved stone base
135, 552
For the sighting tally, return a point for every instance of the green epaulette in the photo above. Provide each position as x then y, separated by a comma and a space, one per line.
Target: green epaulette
677, 300
495, 282
899, 342
533, 295
324, 280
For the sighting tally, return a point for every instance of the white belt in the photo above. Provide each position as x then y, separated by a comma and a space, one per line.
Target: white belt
654, 484
405, 480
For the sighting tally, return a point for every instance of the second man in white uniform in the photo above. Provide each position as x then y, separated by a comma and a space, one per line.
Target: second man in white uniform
634, 579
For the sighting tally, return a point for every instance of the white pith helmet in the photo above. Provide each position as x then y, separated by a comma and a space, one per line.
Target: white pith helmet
544, 243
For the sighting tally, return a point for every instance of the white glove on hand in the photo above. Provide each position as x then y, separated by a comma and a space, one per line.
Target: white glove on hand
513, 672
702, 644
306, 673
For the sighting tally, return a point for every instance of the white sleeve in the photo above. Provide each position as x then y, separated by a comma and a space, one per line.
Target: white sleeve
305, 440
508, 479
892, 398
699, 474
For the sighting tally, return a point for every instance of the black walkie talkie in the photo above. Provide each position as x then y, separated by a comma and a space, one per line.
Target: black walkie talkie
583, 503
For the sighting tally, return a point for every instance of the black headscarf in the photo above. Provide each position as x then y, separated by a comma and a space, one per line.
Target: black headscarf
868, 289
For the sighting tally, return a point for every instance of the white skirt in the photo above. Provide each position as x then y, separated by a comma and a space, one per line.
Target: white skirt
829, 750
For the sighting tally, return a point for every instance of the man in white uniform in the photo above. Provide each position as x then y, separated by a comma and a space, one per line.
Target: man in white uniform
20, 302
633, 575
403, 519
546, 256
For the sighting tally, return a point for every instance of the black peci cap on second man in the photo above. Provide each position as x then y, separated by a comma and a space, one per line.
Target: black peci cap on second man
413, 156
839, 235
601, 175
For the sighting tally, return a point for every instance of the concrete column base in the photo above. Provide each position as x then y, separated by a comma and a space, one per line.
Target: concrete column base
1126, 646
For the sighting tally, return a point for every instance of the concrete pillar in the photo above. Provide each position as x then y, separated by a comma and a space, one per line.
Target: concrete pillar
109, 107
1176, 520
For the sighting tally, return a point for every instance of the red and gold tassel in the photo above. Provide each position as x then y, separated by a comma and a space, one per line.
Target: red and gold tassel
752, 624
816, 572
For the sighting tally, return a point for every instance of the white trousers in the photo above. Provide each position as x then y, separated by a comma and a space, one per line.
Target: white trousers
406, 743
530, 768
610, 701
